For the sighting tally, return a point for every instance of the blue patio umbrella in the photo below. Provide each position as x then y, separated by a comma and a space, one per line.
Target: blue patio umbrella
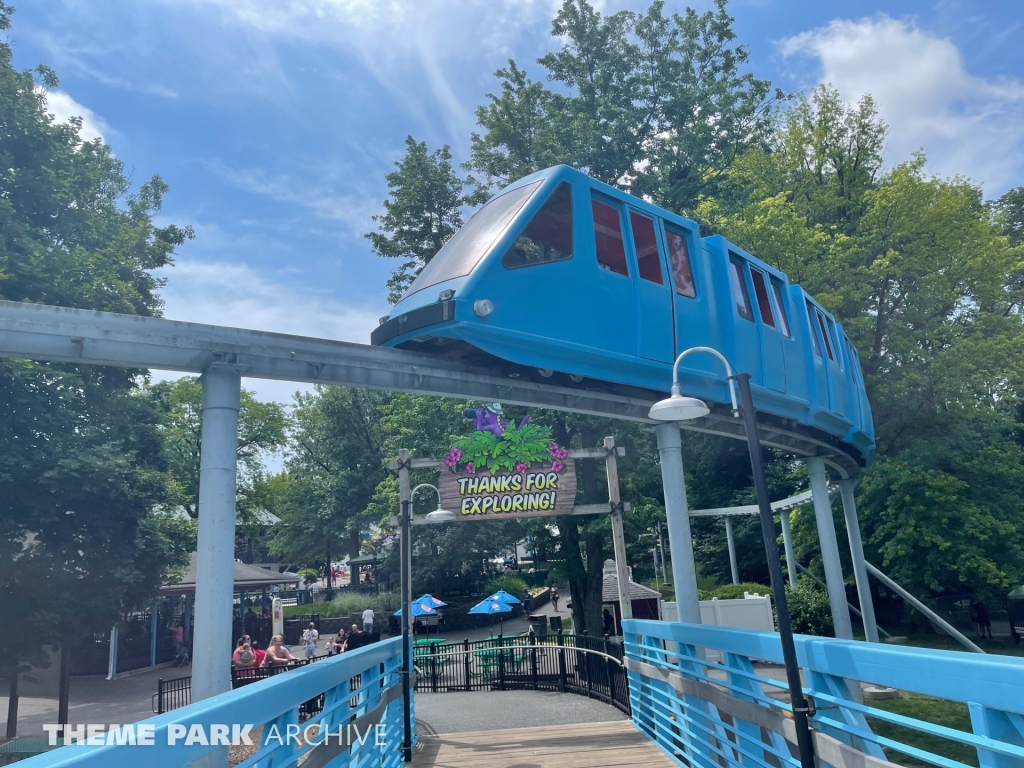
431, 600
419, 608
501, 596
491, 607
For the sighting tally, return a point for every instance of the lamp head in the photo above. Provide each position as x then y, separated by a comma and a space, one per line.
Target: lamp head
440, 516
678, 408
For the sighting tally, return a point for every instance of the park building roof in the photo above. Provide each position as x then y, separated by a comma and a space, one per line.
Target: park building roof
610, 591
245, 576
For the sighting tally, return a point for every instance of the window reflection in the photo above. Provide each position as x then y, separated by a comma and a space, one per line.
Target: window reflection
548, 236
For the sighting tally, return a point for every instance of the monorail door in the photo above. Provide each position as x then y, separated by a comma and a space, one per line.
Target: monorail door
653, 294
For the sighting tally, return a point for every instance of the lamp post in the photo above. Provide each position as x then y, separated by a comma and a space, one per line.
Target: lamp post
679, 408
439, 515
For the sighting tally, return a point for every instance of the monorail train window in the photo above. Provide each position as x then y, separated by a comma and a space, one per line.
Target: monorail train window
611, 254
811, 314
764, 304
739, 290
645, 241
781, 304
463, 252
548, 236
824, 334
679, 256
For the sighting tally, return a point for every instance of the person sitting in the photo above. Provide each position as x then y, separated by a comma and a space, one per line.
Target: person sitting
278, 654
243, 657
356, 630
260, 654
243, 640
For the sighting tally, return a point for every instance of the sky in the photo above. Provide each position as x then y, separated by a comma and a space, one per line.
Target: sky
275, 123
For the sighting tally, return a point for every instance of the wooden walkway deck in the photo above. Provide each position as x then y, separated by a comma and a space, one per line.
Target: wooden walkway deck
590, 745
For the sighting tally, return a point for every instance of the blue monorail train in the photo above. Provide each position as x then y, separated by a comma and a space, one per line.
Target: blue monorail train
566, 279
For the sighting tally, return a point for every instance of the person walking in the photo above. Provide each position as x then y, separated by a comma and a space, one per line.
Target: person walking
527, 600
554, 598
314, 590
368, 620
309, 639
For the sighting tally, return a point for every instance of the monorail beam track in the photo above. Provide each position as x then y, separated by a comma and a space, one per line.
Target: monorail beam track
78, 336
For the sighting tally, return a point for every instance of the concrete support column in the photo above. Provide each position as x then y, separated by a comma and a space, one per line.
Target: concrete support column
829, 548
732, 550
680, 541
867, 608
215, 553
618, 536
787, 543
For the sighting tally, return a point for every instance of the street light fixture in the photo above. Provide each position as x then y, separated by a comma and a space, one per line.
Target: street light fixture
439, 515
679, 408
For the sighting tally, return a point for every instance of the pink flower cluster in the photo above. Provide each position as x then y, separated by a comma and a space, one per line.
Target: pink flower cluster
556, 452
452, 459
520, 467
469, 469
557, 466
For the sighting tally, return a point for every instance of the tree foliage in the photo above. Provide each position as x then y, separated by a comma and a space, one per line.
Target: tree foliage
656, 104
922, 275
422, 211
81, 461
261, 433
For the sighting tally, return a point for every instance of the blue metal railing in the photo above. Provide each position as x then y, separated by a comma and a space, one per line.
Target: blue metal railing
709, 712
359, 724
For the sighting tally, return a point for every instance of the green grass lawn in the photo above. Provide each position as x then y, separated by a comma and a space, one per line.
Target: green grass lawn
938, 711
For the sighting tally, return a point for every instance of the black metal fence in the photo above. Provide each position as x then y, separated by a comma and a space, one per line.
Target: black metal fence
171, 694
567, 663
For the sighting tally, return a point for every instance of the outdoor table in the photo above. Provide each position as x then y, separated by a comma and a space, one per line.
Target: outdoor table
489, 657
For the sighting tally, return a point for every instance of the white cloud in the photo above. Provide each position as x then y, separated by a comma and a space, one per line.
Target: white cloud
62, 107
419, 53
966, 124
311, 189
223, 293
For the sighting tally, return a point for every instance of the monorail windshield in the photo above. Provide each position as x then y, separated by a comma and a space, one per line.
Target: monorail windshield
463, 252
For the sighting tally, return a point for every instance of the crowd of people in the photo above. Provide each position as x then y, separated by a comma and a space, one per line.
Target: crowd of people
247, 654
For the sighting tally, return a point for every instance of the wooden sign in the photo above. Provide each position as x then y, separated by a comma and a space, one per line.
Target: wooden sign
536, 491
507, 470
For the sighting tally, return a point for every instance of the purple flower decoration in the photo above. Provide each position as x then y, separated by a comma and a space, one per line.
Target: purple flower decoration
562, 453
469, 469
520, 467
553, 450
557, 466
456, 453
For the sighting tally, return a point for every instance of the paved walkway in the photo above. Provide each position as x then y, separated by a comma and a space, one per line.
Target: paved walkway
593, 745
440, 713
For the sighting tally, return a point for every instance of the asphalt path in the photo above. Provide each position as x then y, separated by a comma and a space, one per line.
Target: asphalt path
499, 710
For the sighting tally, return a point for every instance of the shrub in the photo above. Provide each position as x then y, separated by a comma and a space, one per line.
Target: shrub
348, 604
735, 591
810, 609
309, 574
512, 585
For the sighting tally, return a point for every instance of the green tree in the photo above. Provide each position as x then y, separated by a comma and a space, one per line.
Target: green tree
651, 103
922, 274
81, 461
261, 433
1011, 211
422, 211
336, 462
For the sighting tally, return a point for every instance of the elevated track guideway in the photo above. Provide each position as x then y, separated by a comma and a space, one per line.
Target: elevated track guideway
61, 334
